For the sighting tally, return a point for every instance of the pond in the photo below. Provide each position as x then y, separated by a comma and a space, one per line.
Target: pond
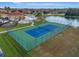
63, 20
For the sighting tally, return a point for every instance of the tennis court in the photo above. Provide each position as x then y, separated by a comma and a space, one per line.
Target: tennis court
37, 32
32, 37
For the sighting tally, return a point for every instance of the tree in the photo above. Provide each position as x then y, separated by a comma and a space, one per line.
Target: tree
39, 15
72, 12
7, 8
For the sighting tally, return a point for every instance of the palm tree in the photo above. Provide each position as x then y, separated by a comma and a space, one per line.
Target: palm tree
39, 16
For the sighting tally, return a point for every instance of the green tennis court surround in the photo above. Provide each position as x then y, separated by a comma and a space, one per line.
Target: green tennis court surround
31, 37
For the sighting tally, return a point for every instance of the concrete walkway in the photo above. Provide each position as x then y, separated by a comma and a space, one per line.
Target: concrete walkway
15, 29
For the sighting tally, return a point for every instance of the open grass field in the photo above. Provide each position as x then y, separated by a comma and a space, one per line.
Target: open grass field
10, 47
64, 44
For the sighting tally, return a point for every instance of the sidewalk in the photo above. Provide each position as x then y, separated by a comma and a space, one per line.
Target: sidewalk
13, 29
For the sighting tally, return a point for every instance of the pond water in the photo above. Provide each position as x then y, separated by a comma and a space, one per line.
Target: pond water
30, 17
62, 20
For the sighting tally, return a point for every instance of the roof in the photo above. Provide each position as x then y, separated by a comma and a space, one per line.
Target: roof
16, 13
3, 13
12, 13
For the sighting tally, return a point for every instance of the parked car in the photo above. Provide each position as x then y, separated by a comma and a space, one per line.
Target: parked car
1, 53
3, 21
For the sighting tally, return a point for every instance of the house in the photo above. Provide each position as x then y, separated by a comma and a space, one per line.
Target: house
16, 15
3, 14
12, 15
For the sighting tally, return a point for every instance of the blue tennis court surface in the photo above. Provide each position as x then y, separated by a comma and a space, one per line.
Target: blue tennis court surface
39, 31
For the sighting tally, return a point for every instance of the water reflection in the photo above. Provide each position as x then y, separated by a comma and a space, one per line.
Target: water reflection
63, 20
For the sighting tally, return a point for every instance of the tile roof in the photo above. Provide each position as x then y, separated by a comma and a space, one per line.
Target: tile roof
12, 13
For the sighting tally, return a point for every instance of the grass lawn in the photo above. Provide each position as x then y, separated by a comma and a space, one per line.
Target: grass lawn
39, 22
21, 25
10, 47
57, 14
61, 15
2, 29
